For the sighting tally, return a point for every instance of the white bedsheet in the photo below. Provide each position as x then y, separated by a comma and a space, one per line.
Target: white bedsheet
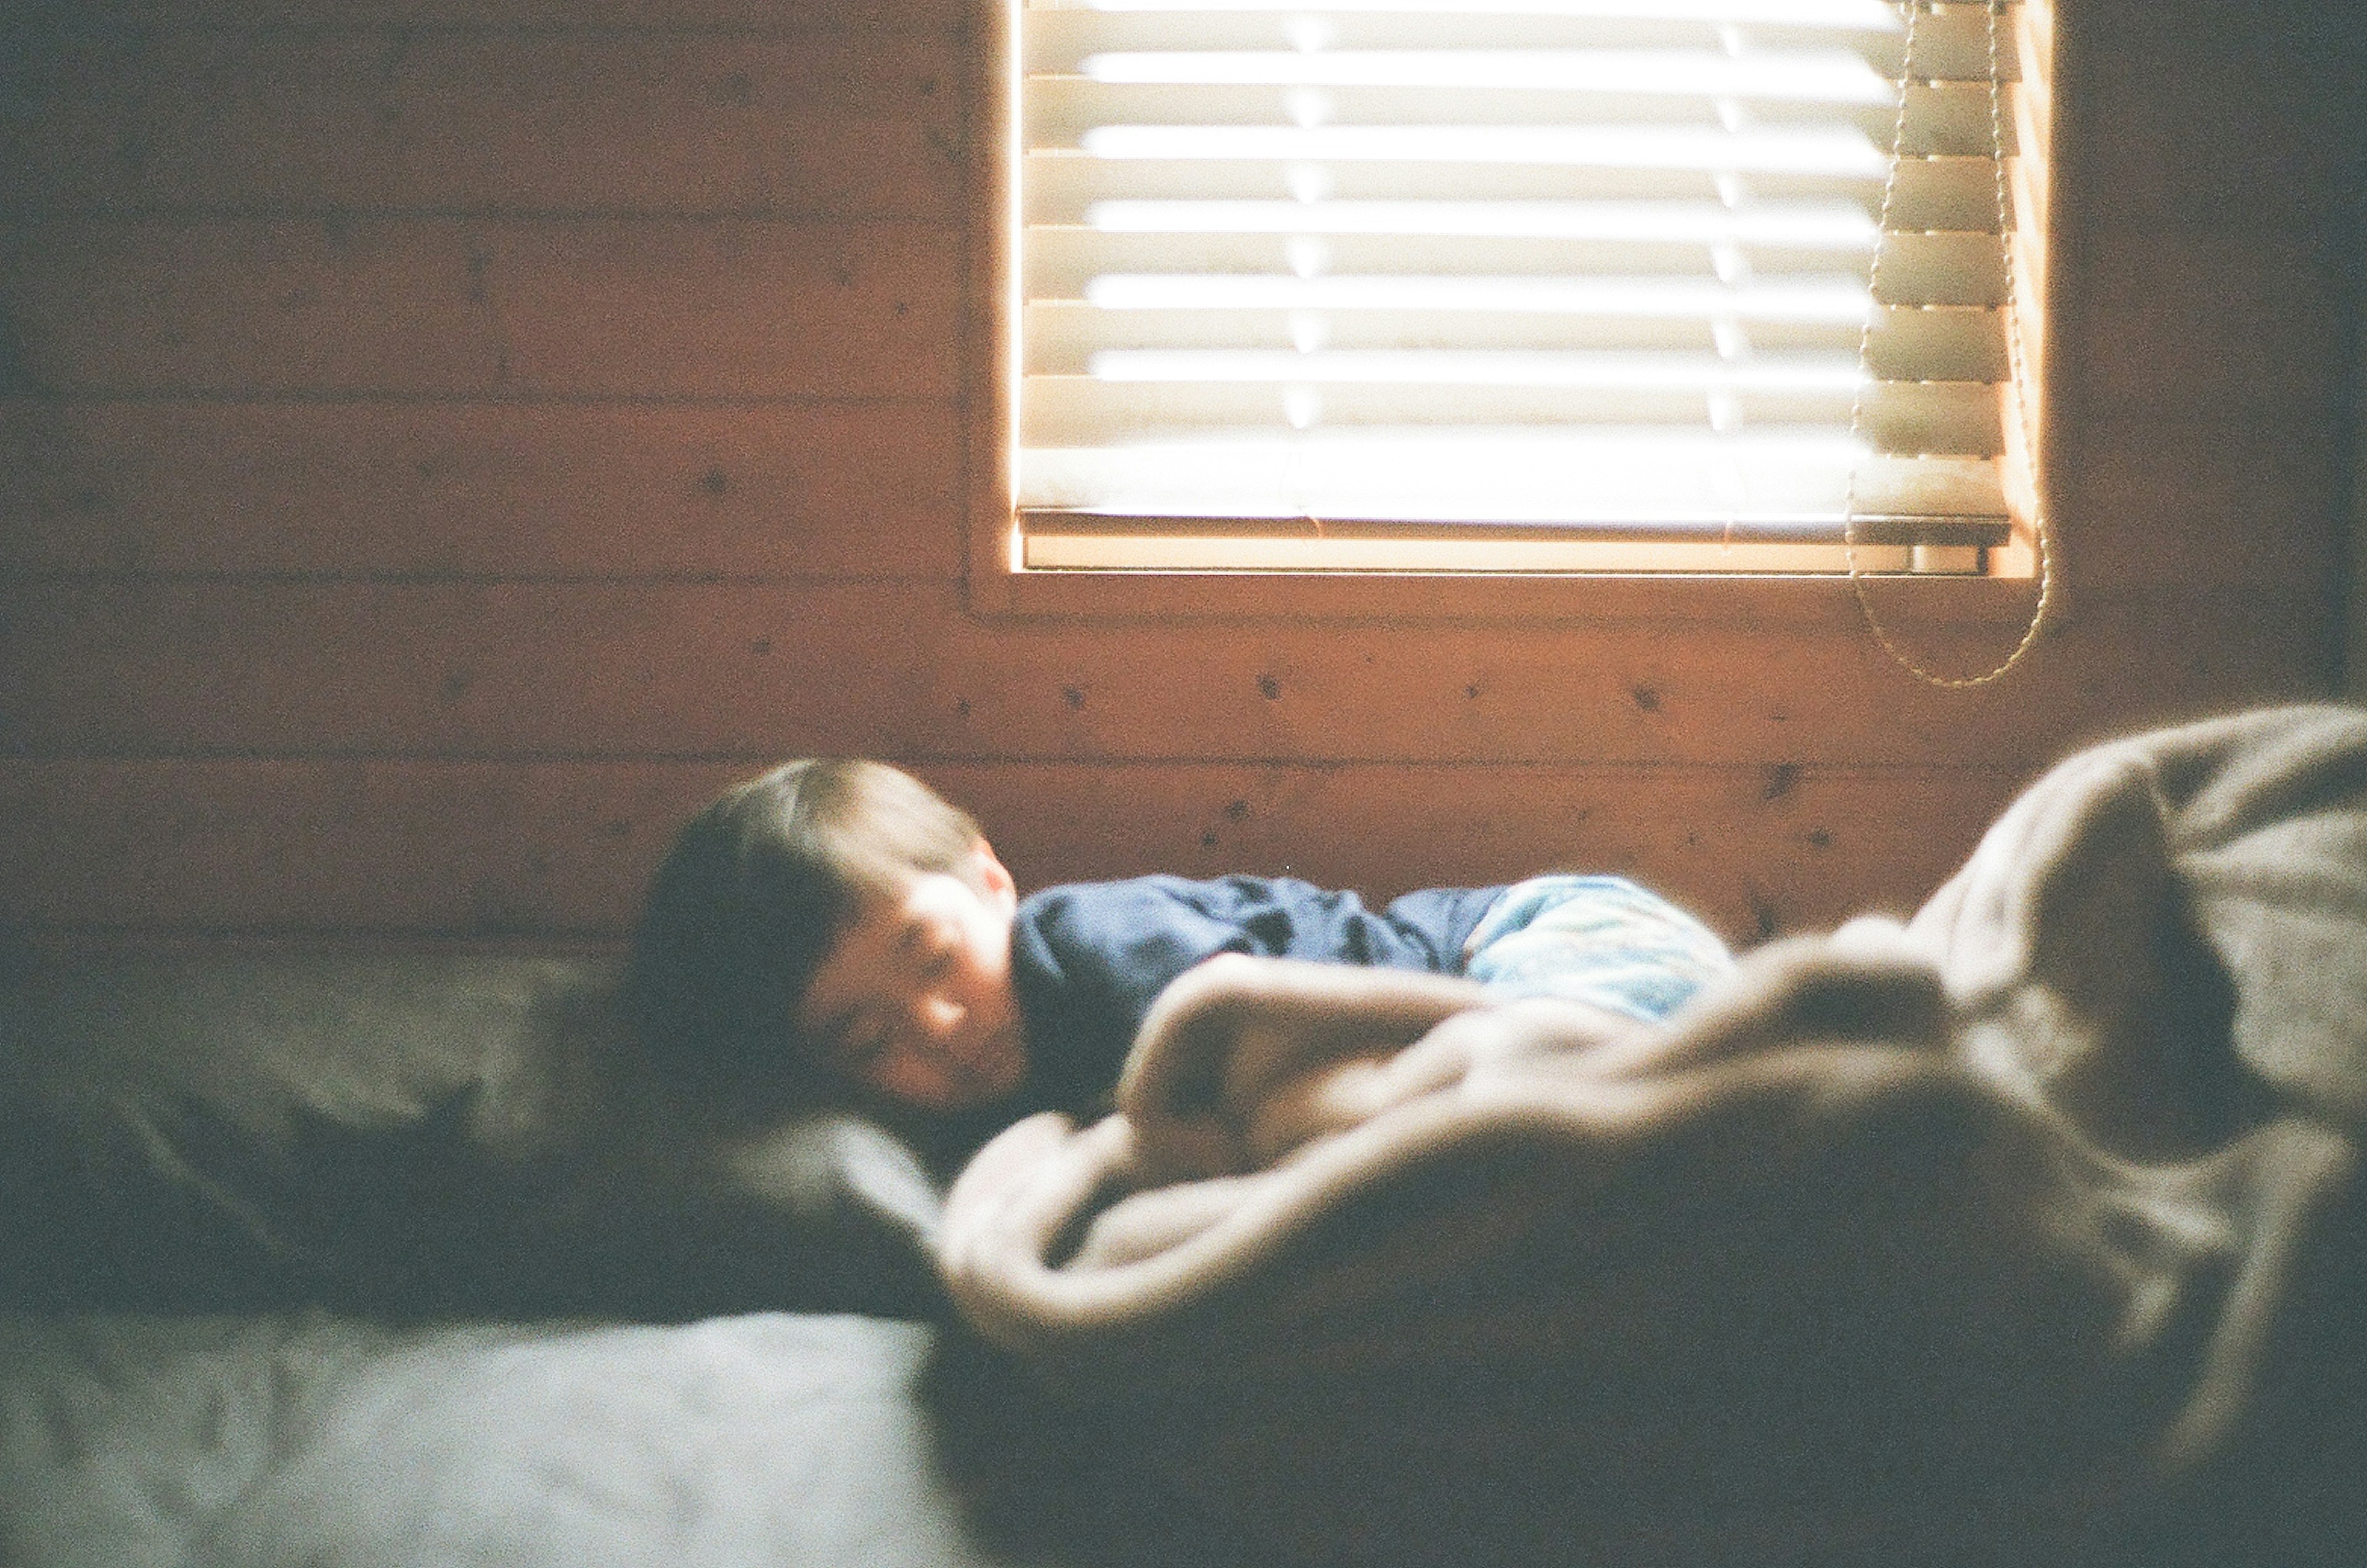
130, 1442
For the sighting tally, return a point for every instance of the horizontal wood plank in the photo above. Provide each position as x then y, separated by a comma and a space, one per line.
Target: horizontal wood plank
850, 124
763, 16
143, 666
457, 309
492, 851
764, 491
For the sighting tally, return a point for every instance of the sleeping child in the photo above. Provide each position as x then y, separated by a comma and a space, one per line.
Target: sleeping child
833, 934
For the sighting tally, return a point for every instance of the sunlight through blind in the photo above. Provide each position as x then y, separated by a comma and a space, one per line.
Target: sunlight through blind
1449, 286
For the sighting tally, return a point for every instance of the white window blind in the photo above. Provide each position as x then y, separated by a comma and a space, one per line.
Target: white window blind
1530, 285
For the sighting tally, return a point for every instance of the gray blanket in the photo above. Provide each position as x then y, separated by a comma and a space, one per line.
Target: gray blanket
2026, 1225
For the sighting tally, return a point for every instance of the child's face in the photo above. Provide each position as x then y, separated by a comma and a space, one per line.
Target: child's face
913, 1001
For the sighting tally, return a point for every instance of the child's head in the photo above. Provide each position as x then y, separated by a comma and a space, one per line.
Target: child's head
831, 926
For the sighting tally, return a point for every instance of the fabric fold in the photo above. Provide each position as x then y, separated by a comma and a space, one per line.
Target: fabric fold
2027, 1203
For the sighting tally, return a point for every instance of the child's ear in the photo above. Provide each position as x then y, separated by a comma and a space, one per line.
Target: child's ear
988, 870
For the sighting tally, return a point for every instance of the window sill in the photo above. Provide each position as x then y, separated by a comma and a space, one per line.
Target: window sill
1807, 602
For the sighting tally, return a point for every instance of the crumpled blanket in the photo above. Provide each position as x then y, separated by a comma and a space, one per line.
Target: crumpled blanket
2032, 1219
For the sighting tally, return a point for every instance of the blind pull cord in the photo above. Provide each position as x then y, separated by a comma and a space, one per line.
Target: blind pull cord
2015, 370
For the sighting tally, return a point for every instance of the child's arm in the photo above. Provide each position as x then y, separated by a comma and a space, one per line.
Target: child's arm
1252, 1056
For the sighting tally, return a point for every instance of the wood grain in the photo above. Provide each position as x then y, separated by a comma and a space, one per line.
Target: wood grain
460, 309
158, 666
487, 850
766, 18
863, 124
818, 489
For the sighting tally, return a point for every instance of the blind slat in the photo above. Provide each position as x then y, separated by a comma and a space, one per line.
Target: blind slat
1625, 476
1062, 186
1951, 43
1049, 545
1864, 14
1837, 226
1704, 130
1916, 268
1945, 342
1954, 417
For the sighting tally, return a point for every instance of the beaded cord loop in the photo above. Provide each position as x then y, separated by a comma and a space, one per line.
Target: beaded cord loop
2014, 370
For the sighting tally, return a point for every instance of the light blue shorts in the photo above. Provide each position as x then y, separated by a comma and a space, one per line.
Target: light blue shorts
1598, 940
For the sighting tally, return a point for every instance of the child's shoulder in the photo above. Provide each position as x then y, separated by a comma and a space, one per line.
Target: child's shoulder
1165, 897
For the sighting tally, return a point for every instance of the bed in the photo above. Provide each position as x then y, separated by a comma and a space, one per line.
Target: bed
2024, 1229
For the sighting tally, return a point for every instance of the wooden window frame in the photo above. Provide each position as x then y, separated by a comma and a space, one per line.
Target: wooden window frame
998, 587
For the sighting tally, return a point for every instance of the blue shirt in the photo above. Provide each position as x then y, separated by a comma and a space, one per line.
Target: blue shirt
1087, 959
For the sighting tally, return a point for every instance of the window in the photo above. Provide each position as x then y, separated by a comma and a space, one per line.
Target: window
1537, 285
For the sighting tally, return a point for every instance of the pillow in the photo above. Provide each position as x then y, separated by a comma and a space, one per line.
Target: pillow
410, 1134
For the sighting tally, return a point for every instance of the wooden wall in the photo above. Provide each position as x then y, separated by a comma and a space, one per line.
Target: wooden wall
441, 440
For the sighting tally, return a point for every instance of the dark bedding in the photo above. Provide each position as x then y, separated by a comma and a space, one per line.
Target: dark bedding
409, 1137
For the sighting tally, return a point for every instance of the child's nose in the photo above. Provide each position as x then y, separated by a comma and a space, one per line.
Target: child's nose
937, 1015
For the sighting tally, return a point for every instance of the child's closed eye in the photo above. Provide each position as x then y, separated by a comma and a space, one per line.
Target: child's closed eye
861, 1049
